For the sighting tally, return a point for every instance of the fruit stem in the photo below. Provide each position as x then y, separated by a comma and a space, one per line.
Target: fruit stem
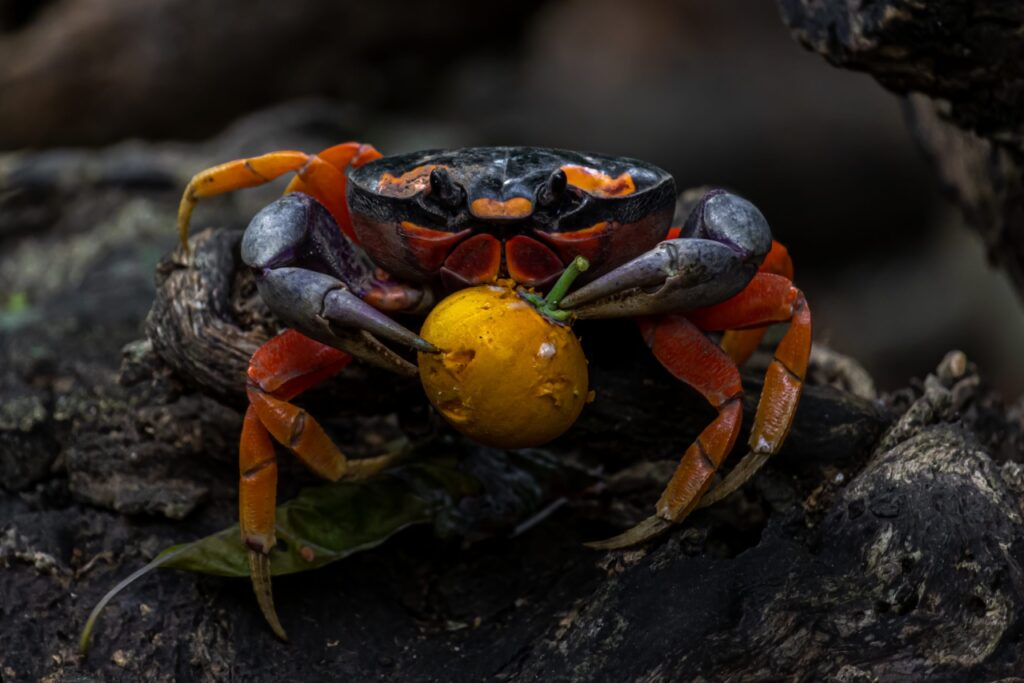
549, 305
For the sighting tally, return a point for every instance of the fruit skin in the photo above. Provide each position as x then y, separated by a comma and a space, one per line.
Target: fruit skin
508, 376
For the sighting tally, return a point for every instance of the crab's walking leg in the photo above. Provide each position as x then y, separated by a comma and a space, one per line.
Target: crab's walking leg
740, 344
680, 345
279, 371
768, 298
257, 498
689, 355
319, 175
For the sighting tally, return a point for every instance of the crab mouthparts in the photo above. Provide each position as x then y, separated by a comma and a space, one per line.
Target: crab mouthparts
484, 258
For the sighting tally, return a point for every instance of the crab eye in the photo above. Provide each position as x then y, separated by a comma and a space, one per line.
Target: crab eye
448, 194
552, 189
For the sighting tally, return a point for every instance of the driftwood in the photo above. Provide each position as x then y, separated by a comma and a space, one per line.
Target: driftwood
962, 65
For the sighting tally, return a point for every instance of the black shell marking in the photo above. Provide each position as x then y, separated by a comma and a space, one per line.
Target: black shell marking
504, 173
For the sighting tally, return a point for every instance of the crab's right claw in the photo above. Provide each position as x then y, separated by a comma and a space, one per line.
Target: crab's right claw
676, 275
721, 246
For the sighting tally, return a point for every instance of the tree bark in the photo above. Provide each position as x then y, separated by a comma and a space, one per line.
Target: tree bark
961, 66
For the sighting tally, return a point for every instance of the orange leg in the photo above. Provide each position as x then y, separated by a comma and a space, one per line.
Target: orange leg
679, 344
689, 355
280, 370
740, 344
768, 298
320, 175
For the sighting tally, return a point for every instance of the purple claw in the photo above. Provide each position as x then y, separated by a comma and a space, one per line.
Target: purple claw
677, 275
313, 279
322, 308
342, 308
724, 242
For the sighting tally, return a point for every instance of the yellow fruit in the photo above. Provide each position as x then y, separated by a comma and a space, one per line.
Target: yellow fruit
508, 376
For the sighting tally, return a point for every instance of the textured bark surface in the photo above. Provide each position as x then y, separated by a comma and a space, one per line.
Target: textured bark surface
963, 64
884, 542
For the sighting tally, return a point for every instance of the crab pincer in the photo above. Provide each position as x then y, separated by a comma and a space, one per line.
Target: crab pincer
715, 256
317, 282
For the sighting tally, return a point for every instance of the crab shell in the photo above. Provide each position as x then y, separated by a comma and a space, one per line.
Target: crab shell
471, 216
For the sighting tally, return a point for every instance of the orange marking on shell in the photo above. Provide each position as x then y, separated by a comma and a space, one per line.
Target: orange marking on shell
597, 183
407, 184
477, 260
430, 247
585, 234
517, 207
589, 242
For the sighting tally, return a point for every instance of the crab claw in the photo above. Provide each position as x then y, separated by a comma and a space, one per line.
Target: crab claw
323, 308
676, 275
314, 281
722, 244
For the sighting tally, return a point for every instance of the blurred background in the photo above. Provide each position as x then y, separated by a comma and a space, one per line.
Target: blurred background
101, 94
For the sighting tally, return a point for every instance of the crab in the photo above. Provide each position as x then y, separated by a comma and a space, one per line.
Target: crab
358, 237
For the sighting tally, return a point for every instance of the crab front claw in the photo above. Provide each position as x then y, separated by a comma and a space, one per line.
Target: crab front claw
718, 252
324, 308
317, 282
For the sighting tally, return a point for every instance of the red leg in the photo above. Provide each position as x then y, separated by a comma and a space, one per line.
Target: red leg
740, 344
680, 345
689, 355
280, 370
320, 175
768, 298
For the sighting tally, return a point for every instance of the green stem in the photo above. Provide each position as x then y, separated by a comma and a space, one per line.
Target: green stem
548, 306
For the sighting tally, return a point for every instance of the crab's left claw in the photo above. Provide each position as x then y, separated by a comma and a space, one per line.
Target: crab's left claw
720, 248
318, 282
324, 308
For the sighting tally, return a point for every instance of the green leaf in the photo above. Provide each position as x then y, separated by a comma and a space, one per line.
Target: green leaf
330, 522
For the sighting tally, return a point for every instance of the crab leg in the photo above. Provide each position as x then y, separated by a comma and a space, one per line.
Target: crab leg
257, 499
320, 175
740, 344
689, 355
679, 344
768, 298
280, 370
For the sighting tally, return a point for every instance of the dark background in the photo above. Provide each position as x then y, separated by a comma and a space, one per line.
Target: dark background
718, 93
